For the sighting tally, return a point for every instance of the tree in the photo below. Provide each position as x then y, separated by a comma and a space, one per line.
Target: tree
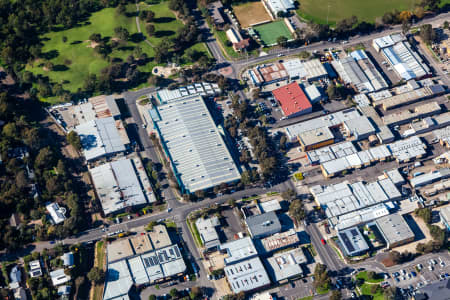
288, 194
173, 293
406, 26
64, 39
390, 293
427, 33
371, 275
95, 37
445, 25
332, 92
121, 33
282, 41
97, 275
74, 139
152, 297
336, 295
121, 9
425, 214
297, 211
195, 293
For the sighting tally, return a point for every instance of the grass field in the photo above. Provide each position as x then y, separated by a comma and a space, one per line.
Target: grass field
251, 13
317, 10
366, 290
74, 59
83, 59
269, 33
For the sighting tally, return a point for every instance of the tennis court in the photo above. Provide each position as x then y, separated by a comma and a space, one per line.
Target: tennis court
268, 33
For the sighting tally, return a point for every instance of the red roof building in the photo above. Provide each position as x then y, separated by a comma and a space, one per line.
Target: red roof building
293, 100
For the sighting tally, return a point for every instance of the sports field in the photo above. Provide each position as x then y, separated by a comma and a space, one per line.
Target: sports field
365, 10
251, 13
269, 32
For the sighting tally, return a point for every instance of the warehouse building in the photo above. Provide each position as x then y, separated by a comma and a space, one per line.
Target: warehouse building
120, 185
360, 217
194, 145
286, 265
327, 153
313, 93
238, 250
342, 198
267, 74
204, 89
352, 242
443, 135
358, 71
407, 150
429, 178
410, 97
263, 225
102, 138
365, 63
246, 276
316, 133
403, 59
141, 260
278, 241
395, 230
405, 116
427, 124
293, 100
207, 231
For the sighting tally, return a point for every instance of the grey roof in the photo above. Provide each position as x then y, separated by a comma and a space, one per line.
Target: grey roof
439, 290
360, 127
68, 259
239, 250
342, 198
430, 177
207, 230
247, 275
197, 149
286, 265
350, 72
100, 137
112, 106
263, 225
352, 241
117, 185
394, 229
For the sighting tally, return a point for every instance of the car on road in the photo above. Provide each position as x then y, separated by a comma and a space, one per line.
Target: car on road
397, 279
323, 241
169, 209
413, 274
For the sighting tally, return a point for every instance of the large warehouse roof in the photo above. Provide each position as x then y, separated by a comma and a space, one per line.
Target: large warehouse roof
247, 275
342, 198
195, 146
292, 99
394, 229
100, 137
398, 52
117, 185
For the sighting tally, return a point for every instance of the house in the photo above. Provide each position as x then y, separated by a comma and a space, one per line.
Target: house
68, 260
35, 268
236, 39
64, 290
20, 294
14, 220
58, 277
57, 213
15, 277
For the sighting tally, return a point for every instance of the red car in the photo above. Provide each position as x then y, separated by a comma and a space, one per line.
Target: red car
323, 241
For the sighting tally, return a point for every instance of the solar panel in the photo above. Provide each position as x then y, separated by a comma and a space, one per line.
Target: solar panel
161, 259
171, 251
146, 262
177, 252
155, 259
347, 243
354, 232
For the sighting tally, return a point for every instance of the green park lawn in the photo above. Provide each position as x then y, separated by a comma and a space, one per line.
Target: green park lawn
317, 10
366, 290
363, 275
74, 59
84, 60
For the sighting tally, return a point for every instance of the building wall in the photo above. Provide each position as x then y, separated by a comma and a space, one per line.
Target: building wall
315, 146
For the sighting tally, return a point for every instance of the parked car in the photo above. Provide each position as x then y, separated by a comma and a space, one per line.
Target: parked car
323, 241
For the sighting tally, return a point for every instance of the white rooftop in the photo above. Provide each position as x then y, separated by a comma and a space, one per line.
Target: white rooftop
287, 264
117, 185
247, 275
239, 250
57, 213
196, 148
100, 137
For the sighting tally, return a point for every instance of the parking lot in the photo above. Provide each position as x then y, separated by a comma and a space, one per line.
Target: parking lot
422, 272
